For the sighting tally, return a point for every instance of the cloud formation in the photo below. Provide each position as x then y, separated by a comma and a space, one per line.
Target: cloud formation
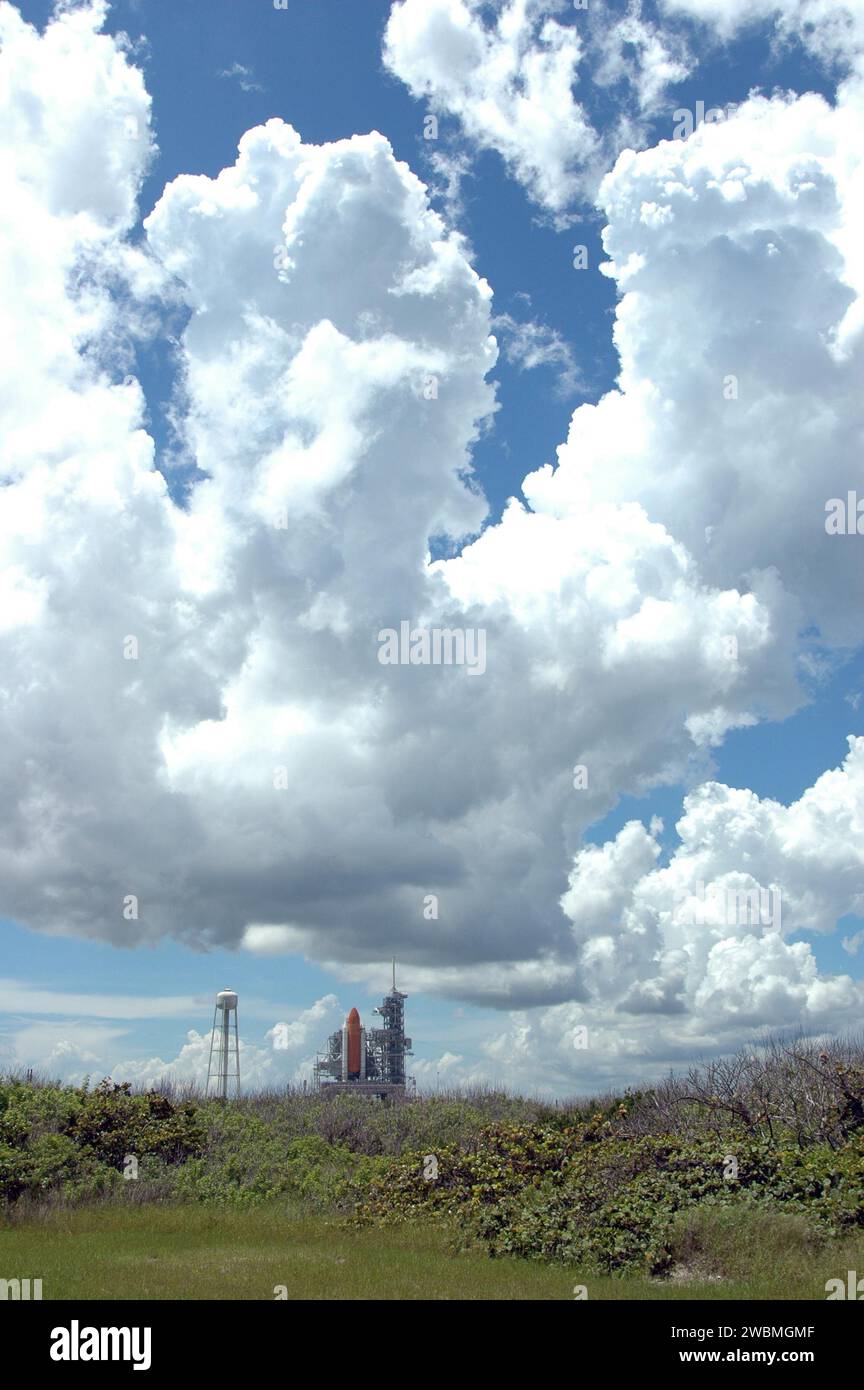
831, 29
510, 76
738, 413
197, 736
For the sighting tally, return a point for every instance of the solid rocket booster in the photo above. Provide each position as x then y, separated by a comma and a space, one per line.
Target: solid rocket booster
352, 1028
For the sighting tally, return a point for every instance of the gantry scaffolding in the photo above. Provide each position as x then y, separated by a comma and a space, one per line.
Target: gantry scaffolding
387, 1046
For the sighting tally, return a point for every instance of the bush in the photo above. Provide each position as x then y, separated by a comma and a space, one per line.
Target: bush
245, 1165
43, 1164
607, 1203
111, 1123
74, 1141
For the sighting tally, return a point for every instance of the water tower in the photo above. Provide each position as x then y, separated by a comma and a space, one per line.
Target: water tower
227, 1059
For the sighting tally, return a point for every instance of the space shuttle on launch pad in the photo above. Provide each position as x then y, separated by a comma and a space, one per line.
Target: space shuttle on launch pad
368, 1061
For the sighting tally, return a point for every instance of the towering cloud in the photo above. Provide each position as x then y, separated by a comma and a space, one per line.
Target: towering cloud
196, 733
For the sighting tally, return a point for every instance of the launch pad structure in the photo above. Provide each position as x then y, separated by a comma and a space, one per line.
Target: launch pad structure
367, 1061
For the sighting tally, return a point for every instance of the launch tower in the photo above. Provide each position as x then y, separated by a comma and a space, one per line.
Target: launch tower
368, 1061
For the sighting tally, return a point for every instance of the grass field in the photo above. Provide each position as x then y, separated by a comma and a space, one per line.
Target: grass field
189, 1252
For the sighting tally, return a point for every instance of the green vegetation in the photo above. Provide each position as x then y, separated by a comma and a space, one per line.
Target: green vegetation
57, 1139
596, 1200
105, 1251
204, 1252
743, 1179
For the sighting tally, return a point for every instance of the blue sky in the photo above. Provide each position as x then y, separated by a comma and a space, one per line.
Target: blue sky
215, 71
318, 66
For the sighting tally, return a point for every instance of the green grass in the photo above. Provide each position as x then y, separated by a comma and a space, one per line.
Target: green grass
188, 1252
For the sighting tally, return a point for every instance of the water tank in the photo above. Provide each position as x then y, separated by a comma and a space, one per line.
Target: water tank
226, 999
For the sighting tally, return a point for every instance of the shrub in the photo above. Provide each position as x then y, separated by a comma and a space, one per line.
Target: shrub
111, 1123
74, 1141
607, 1203
245, 1164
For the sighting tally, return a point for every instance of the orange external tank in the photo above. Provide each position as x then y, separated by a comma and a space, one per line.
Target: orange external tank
352, 1024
